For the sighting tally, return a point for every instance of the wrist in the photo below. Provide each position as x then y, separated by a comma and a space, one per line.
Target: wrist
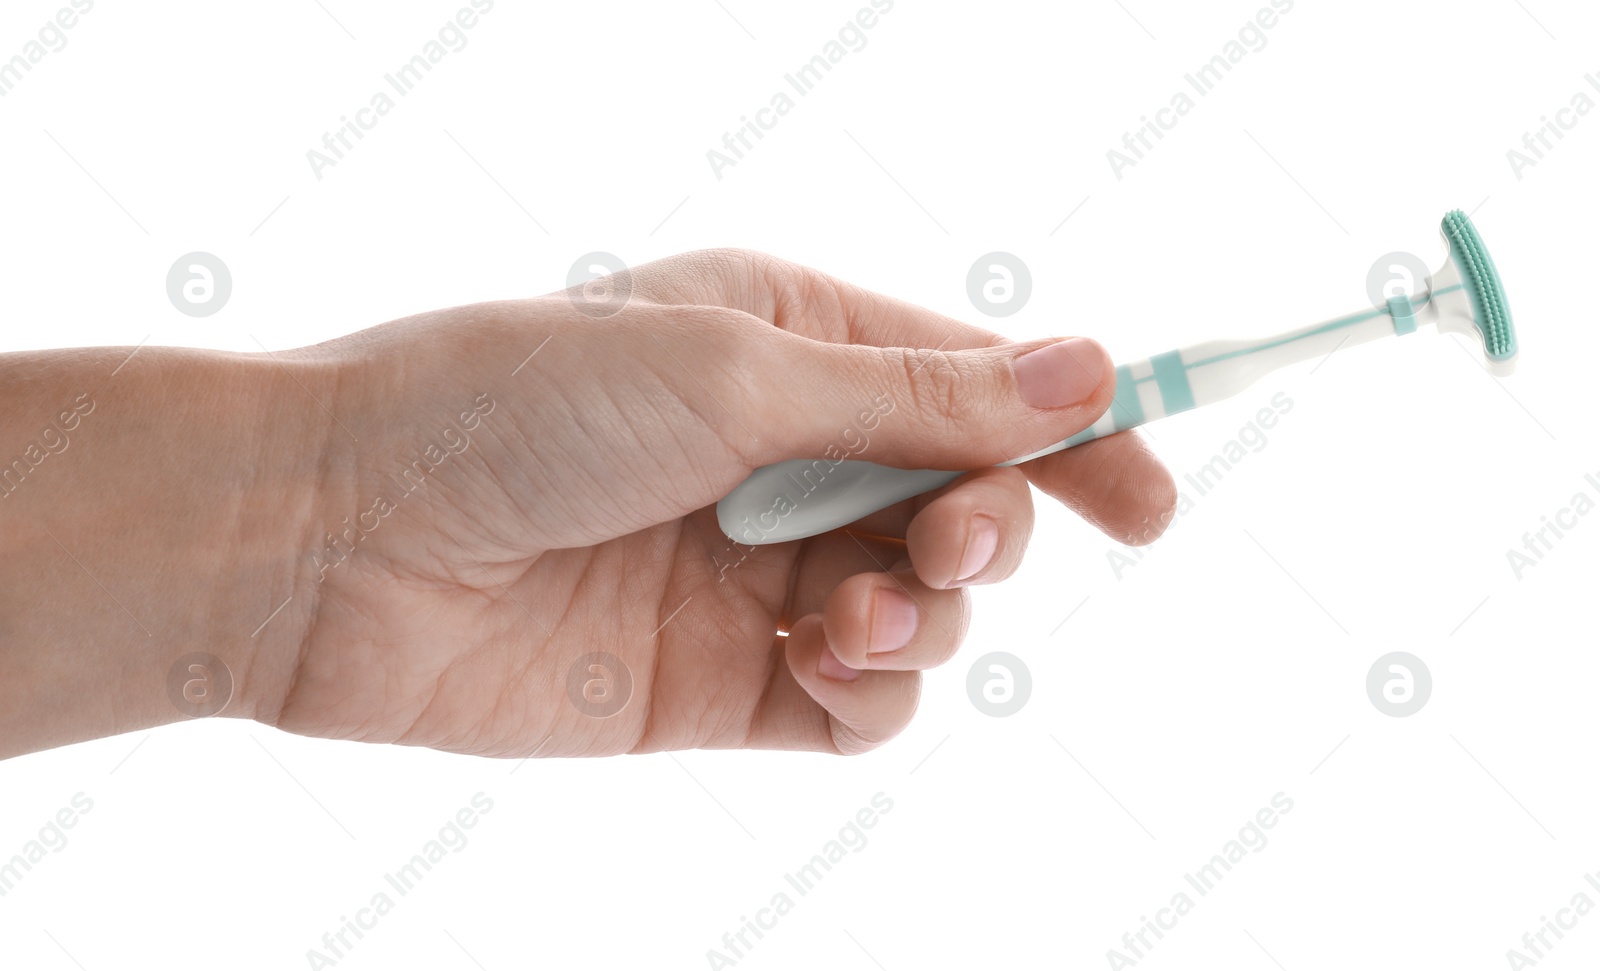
302, 442
167, 519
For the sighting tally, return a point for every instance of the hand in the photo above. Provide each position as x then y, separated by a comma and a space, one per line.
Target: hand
569, 513
421, 532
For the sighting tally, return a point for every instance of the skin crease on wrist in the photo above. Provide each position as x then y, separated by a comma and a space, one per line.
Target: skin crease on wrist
405, 535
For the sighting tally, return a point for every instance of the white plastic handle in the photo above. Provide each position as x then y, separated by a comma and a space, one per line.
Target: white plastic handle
799, 498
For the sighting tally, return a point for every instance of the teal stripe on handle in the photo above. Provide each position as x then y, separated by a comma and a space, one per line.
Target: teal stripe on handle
1404, 314
1126, 411
1173, 381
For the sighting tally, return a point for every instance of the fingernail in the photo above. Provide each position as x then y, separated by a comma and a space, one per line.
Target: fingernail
894, 620
982, 539
829, 666
1060, 374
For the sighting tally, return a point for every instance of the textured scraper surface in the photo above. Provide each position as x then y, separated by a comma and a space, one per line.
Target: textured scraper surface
1489, 302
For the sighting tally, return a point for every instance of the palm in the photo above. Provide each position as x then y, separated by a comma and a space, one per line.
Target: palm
482, 665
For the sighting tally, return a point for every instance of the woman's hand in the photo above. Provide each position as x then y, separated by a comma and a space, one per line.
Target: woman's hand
491, 529
555, 581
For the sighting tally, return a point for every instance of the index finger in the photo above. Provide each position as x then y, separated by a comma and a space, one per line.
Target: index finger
803, 301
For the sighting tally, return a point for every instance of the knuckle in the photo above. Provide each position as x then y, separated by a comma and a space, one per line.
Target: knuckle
720, 256
935, 382
729, 360
726, 269
750, 279
711, 359
735, 264
900, 706
955, 606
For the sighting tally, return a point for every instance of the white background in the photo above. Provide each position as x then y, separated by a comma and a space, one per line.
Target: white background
1222, 669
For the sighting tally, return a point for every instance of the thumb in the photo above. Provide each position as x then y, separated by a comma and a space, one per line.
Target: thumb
914, 408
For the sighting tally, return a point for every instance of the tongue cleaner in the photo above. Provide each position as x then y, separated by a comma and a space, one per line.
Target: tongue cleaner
799, 498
